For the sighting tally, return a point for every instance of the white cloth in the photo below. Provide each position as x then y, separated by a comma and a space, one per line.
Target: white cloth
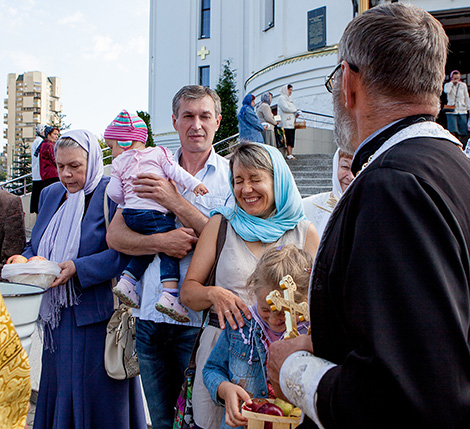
35, 172
299, 378
420, 129
215, 176
457, 95
318, 210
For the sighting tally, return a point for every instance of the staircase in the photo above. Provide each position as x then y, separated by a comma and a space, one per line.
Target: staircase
312, 173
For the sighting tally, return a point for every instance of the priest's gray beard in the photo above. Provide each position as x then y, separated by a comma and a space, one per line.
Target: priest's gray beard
344, 129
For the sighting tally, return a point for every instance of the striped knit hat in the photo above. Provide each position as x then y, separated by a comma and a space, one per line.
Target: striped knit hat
126, 129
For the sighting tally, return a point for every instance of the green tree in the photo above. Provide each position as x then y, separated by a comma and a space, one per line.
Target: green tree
146, 118
22, 163
107, 155
57, 120
227, 91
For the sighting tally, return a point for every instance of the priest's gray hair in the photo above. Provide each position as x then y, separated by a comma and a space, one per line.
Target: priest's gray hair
400, 50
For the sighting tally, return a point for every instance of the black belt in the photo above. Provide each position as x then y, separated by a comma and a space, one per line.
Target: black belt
213, 320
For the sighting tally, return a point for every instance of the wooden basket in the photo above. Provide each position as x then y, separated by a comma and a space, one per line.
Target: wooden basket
257, 420
300, 123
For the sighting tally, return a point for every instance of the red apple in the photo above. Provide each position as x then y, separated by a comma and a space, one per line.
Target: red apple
257, 403
37, 258
271, 409
16, 259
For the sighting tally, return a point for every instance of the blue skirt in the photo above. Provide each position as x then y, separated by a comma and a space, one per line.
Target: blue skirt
75, 391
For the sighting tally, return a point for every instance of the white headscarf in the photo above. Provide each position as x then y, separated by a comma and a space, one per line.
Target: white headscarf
61, 239
334, 176
284, 93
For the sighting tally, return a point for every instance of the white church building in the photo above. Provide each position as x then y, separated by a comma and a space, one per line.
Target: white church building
270, 43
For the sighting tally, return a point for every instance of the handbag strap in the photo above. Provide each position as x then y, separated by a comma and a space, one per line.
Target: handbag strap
221, 235
106, 223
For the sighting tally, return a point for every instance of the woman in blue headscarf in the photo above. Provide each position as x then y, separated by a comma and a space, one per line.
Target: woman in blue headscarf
268, 213
75, 390
249, 125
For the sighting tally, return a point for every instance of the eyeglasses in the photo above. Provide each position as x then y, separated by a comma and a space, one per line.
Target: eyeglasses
330, 80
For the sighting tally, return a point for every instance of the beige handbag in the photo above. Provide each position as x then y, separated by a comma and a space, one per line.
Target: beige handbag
120, 356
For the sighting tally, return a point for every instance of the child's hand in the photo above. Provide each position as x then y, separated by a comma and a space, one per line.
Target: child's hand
232, 395
200, 190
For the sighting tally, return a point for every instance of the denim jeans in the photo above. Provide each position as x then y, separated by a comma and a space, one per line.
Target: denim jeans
150, 222
164, 350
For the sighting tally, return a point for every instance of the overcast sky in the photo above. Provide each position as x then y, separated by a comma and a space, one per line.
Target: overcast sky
99, 48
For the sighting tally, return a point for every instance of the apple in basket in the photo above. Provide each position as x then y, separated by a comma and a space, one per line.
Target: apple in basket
271, 409
17, 259
256, 404
37, 258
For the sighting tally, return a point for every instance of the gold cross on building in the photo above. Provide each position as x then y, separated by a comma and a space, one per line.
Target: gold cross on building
288, 304
203, 52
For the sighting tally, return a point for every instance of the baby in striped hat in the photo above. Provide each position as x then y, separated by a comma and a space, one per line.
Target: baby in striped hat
126, 136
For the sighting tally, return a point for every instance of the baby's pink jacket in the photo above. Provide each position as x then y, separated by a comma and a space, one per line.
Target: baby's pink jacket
157, 160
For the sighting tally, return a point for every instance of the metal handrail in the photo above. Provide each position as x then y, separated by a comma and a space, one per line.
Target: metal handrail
319, 120
225, 140
25, 177
318, 114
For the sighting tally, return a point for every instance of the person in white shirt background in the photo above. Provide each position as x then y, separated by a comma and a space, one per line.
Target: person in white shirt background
457, 95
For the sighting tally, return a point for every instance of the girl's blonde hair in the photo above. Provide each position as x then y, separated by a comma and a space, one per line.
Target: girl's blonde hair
277, 263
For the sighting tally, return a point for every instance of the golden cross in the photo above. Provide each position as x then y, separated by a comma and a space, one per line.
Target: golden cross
203, 52
288, 304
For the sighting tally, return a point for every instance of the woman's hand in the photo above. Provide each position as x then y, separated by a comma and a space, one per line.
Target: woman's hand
232, 395
68, 271
228, 306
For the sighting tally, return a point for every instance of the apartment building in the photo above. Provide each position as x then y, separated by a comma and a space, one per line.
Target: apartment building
32, 98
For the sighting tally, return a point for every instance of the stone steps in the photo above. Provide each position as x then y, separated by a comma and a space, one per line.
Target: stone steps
312, 173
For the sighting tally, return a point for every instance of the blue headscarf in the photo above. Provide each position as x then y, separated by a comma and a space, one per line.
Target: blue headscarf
289, 207
246, 103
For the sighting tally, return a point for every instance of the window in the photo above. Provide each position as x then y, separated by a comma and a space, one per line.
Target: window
205, 19
204, 76
268, 14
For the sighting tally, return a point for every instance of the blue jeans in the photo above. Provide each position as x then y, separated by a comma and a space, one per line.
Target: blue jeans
150, 222
457, 123
164, 350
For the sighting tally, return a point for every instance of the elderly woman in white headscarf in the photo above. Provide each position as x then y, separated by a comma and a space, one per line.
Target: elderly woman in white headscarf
266, 118
318, 207
74, 389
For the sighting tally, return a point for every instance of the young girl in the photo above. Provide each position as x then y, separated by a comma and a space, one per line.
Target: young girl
126, 136
236, 368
